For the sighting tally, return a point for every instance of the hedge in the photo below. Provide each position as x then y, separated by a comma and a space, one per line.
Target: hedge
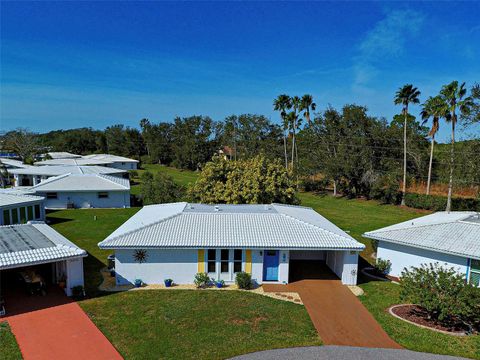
439, 203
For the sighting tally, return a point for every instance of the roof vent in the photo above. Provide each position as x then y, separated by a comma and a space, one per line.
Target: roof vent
216, 208
267, 207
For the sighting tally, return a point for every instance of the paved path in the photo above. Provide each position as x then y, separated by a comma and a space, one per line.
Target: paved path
341, 353
58, 330
339, 317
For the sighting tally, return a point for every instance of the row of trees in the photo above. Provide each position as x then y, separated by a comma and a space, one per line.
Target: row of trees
451, 104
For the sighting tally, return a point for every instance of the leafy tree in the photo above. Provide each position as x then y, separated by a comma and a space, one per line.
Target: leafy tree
454, 96
251, 181
159, 188
22, 142
433, 108
116, 139
404, 96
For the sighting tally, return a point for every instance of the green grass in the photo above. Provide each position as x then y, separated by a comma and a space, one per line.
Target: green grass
185, 324
81, 227
381, 295
358, 216
181, 177
8, 345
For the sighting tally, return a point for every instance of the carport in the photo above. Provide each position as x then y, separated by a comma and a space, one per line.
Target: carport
35, 260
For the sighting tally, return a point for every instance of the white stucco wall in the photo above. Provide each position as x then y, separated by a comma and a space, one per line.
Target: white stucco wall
344, 264
180, 265
116, 199
405, 256
74, 272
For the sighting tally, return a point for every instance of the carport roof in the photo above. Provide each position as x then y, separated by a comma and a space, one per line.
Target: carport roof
184, 225
34, 243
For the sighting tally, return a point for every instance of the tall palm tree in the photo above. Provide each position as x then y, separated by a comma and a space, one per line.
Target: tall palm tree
453, 95
283, 103
307, 104
296, 103
404, 96
433, 108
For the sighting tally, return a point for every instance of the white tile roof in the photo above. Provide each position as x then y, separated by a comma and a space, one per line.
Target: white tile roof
63, 155
10, 163
182, 225
15, 198
55, 170
82, 182
456, 233
94, 159
34, 243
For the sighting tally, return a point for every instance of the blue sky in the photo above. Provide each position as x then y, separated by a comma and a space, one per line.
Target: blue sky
75, 64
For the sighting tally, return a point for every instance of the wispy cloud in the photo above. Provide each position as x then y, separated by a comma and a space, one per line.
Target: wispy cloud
386, 40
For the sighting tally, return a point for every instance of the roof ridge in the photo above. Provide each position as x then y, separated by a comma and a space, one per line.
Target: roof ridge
110, 178
373, 232
106, 241
51, 179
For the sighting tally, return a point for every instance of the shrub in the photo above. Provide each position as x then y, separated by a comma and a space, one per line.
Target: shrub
439, 203
202, 280
435, 288
243, 280
383, 267
469, 311
159, 188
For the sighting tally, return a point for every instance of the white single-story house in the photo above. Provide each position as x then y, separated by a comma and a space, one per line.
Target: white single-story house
178, 240
114, 161
451, 239
84, 191
34, 245
34, 175
17, 208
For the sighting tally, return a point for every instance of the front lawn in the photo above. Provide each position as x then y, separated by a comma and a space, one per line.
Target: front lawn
357, 216
188, 324
8, 345
381, 295
86, 228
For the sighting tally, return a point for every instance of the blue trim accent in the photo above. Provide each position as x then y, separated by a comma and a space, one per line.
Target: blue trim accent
270, 265
469, 261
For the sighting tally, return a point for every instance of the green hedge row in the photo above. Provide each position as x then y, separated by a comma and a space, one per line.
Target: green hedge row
439, 203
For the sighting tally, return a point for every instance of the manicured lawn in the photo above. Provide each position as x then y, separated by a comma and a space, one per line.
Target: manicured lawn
8, 345
380, 295
183, 324
81, 227
358, 216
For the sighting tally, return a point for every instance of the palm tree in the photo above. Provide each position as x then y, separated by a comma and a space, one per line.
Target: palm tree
433, 108
404, 96
296, 102
307, 104
283, 103
454, 97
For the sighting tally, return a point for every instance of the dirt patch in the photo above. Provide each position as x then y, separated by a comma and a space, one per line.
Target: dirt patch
419, 316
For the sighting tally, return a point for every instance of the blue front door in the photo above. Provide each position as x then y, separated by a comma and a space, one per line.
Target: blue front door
270, 265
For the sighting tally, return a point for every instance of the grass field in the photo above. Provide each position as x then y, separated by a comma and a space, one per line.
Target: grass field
186, 324
8, 345
381, 295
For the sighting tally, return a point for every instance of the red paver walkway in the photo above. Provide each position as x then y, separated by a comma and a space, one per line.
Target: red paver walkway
59, 331
339, 317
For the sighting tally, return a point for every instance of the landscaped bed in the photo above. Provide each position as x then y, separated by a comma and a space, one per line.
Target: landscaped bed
380, 296
186, 324
8, 345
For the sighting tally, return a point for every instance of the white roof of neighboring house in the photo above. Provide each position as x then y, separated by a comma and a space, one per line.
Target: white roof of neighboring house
53, 170
184, 225
94, 159
16, 198
10, 163
82, 182
456, 233
34, 243
63, 155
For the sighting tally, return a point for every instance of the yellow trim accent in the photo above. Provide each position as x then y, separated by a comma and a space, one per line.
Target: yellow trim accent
201, 260
248, 261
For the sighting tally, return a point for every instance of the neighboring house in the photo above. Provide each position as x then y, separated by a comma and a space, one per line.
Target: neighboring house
16, 208
451, 239
114, 161
180, 239
31, 246
84, 191
33, 175
13, 164
63, 155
